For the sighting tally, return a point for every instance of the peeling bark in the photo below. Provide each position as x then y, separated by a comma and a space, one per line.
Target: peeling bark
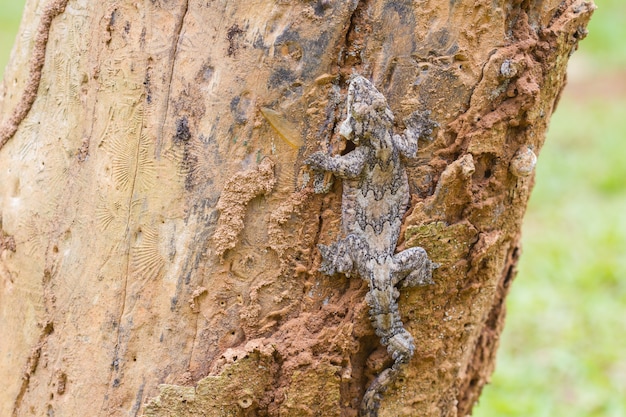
158, 236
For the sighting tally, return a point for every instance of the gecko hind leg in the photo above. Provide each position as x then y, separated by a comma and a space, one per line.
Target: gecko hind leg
343, 255
412, 267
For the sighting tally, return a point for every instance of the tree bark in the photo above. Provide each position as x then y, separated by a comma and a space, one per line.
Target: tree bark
158, 226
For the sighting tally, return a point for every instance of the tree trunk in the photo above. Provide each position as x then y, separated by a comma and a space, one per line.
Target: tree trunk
158, 224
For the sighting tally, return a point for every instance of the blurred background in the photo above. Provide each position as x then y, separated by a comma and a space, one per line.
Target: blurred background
563, 350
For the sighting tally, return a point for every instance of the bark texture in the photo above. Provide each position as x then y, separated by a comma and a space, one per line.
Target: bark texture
157, 242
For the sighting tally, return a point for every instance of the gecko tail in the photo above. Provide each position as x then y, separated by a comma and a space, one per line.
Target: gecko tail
371, 400
385, 317
387, 323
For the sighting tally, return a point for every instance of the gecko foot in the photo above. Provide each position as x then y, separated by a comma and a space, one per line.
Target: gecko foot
317, 161
343, 256
421, 276
335, 258
420, 124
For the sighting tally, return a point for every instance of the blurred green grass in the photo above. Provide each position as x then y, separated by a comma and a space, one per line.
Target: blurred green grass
563, 350
607, 32
10, 15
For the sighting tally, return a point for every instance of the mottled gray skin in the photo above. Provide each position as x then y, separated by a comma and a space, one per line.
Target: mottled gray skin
375, 199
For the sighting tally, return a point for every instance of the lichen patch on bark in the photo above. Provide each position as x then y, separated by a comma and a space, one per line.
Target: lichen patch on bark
238, 390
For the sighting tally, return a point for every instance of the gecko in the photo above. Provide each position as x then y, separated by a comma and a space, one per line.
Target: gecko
374, 200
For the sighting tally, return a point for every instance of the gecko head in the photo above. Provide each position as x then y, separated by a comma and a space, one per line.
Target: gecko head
366, 109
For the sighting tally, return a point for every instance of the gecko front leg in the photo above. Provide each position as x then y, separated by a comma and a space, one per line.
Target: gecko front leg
418, 125
346, 166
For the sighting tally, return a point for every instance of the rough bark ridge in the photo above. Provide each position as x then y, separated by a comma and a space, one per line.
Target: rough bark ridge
35, 64
117, 297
